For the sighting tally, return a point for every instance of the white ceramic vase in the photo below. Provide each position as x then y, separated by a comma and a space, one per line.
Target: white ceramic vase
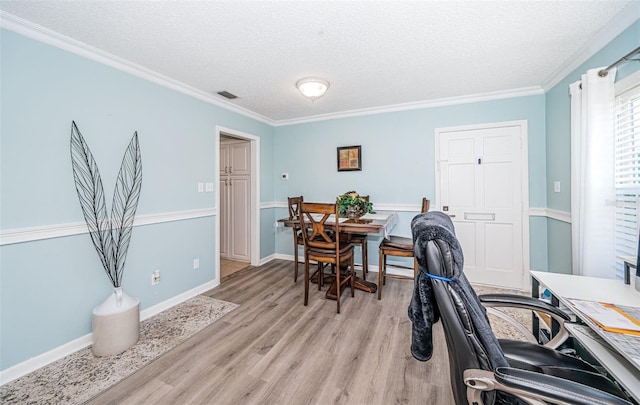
116, 324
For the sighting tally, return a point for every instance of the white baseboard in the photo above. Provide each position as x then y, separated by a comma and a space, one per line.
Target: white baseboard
41, 360
282, 257
180, 298
267, 259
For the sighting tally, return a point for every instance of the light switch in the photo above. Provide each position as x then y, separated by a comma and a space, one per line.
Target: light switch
556, 186
209, 187
200, 187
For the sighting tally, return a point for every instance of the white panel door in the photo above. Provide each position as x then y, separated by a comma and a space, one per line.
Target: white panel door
223, 217
480, 175
235, 199
240, 225
239, 158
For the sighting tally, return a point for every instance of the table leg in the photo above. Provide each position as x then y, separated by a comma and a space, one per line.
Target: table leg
365, 285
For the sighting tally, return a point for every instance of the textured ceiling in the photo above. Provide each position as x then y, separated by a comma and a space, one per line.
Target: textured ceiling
374, 54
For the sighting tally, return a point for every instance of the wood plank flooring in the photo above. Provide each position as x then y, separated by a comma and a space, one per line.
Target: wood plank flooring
274, 350
230, 267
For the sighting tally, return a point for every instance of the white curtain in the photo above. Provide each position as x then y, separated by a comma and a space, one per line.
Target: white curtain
592, 175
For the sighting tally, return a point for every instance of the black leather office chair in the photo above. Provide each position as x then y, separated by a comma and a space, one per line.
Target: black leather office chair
484, 370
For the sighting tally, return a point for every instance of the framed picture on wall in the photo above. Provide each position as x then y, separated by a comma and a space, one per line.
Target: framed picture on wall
349, 158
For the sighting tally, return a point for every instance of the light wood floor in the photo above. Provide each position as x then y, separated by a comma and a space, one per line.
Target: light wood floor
274, 350
229, 267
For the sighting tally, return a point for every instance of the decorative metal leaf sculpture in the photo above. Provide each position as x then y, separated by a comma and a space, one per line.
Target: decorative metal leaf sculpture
110, 236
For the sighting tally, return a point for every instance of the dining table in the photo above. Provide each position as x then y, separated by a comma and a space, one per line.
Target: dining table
378, 223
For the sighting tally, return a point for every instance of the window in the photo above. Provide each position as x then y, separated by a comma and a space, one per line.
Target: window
627, 167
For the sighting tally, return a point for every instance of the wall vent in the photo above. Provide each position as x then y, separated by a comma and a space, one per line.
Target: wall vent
228, 95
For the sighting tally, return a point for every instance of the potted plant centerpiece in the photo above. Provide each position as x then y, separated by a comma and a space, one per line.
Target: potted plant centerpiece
352, 205
115, 321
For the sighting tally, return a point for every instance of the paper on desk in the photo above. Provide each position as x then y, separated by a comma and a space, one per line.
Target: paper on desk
608, 316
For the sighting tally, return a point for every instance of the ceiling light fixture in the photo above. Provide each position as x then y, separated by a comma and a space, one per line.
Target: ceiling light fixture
312, 87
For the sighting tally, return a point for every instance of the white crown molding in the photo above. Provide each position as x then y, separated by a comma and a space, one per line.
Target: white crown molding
20, 235
14, 372
616, 26
50, 37
39, 33
417, 105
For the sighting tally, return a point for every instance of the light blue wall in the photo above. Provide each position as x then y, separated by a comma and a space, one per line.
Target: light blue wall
397, 151
49, 287
558, 129
397, 158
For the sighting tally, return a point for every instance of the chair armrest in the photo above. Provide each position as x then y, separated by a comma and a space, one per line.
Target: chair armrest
529, 303
522, 301
549, 388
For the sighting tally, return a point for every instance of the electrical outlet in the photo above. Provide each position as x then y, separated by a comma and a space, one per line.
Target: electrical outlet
155, 277
208, 187
196, 264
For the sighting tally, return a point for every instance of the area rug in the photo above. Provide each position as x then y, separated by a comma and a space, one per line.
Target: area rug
501, 328
80, 376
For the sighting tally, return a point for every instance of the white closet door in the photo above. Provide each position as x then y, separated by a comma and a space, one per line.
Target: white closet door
239, 158
480, 178
223, 217
240, 192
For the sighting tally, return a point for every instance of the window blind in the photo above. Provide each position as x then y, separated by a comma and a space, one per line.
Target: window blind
627, 173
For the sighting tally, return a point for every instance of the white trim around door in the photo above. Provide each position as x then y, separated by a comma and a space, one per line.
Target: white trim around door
255, 192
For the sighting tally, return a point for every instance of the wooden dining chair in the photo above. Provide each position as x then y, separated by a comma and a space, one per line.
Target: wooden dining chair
360, 239
294, 215
398, 246
325, 247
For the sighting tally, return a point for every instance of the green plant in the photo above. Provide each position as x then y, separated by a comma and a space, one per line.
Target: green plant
352, 200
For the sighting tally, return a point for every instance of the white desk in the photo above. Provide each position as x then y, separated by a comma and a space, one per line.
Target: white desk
605, 346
